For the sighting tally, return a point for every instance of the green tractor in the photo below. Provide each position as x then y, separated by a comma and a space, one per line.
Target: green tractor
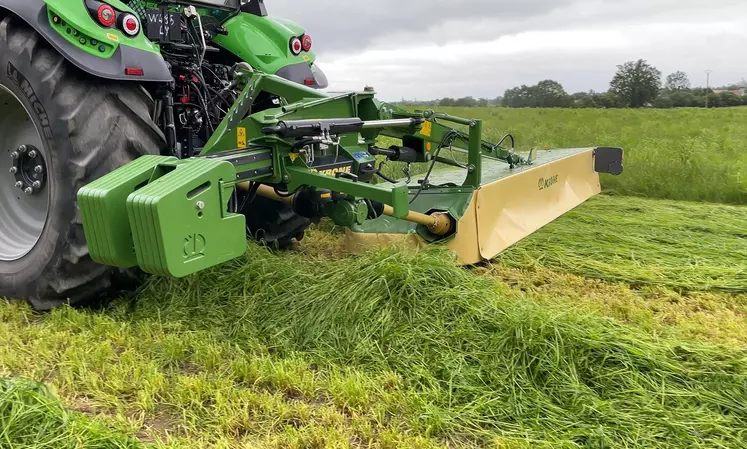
156, 136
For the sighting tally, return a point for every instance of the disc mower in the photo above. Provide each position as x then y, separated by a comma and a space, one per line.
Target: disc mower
157, 136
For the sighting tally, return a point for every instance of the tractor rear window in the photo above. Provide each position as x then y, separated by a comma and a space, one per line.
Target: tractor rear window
220, 10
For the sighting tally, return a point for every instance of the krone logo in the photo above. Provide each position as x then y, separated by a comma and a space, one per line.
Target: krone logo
546, 183
335, 171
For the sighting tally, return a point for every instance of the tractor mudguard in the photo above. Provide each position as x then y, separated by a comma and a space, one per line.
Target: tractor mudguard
36, 14
264, 42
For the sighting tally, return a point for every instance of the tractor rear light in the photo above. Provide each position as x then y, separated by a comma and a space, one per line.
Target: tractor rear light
134, 71
106, 15
309, 82
130, 24
296, 46
306, 42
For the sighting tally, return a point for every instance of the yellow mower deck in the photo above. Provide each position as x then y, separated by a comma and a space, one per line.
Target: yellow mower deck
510, 204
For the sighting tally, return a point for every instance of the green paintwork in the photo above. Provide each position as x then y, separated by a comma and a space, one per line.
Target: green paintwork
104, 211
263, 42
76, 17
455, 201
180, 224
179, 217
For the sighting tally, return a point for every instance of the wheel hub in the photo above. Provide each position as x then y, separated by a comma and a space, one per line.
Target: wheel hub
24, 179
29, 169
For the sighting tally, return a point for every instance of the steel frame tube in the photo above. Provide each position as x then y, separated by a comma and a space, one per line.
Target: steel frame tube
439, 223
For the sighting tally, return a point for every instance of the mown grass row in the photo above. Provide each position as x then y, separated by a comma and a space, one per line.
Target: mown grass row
32, 417
684, 246
682, 154
389, 349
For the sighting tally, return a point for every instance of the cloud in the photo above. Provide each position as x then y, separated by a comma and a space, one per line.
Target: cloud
431, 49
351, 25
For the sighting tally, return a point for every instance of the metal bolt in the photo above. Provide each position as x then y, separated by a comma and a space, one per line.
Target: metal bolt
22, 148
200, 205
13, 170
37, 184
38, 169
32, 154
19, 185
28, 191
14, 155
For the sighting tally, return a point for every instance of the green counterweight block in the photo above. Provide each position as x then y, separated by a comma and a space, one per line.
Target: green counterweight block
180, 224
104, 211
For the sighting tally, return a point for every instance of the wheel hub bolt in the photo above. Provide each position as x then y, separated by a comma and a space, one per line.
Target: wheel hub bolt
37, 184
28, 191
14, 155
32, 154
19, 185
22, 148
13, 170
38, 169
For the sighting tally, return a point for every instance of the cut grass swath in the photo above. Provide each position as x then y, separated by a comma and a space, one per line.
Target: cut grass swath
31, 417
483, 367
687, 246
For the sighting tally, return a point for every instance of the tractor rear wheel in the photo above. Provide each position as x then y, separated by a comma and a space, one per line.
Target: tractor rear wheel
59, 130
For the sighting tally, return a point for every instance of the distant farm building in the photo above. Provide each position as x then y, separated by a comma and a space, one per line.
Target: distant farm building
741, 92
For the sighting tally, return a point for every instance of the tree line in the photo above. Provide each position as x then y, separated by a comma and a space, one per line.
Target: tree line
636, 84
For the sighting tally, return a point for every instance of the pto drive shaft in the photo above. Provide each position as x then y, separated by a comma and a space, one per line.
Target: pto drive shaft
439, 223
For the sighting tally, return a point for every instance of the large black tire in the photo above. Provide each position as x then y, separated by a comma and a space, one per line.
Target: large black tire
89, 127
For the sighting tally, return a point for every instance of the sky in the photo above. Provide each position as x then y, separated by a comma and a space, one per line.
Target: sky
428, 49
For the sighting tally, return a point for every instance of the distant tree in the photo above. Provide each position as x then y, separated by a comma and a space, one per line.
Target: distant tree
728, 99
636, 83
483, 102
545, 94
714, 100
677, 81
682, 99
465, 102
609, 100
582, 100
550, 94
663, 101
519, 97
446, 102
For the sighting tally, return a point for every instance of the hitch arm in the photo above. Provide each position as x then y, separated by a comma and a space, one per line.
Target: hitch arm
397, 197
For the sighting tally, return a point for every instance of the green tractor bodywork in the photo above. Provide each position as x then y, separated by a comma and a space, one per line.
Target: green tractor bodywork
278, 139
255, 38
178, 219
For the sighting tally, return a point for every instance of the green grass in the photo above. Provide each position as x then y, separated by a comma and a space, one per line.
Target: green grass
682, 154
624, 324
396, 349
685, 246
32, 417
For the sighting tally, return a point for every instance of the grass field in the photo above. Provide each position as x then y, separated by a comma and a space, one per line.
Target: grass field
624, 324
681, 154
